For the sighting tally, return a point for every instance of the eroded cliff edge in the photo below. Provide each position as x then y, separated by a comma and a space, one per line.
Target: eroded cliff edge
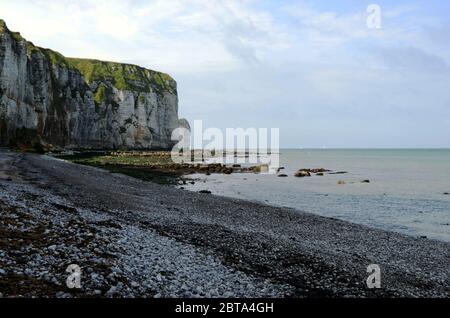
48, 100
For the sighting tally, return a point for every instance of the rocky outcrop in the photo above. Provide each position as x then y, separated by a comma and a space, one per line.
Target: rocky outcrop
302, 174
183, 123
49, 100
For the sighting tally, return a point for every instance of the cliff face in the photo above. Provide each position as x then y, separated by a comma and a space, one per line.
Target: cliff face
49, 100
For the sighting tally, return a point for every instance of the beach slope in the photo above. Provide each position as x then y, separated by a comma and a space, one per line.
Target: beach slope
136, 238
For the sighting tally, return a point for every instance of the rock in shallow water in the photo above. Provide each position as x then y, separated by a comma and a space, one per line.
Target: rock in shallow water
339, 172
302, 174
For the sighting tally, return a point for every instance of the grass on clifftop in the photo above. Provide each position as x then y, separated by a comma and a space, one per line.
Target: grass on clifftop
2, 26
122, 76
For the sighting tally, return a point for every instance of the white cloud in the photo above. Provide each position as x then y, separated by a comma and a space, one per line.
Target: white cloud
178, 34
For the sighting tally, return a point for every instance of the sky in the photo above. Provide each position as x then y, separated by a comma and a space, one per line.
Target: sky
313, 69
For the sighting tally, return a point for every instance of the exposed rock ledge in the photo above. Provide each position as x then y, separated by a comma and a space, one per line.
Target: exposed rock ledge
48, 100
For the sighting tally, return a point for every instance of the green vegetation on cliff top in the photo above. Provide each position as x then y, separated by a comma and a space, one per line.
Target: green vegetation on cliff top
122, 76
3, 26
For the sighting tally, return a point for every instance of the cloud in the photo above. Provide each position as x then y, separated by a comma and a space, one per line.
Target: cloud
178, 34
411, 59
329, 26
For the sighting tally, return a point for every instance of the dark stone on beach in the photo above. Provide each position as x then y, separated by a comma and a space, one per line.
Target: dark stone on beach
315, 170
236, 166
302, 173
205, 191
339, 172
208, 173
282, 175
424, 237
446, 193
9, 179
365, 181
263, 168
319, 170
307, 172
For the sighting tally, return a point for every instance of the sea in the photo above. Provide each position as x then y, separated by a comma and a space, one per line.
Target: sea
405, 193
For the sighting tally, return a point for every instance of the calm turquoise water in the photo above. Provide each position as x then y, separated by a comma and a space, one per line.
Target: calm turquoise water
406, 193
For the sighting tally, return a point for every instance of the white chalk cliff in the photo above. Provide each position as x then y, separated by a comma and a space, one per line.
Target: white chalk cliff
48, 100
